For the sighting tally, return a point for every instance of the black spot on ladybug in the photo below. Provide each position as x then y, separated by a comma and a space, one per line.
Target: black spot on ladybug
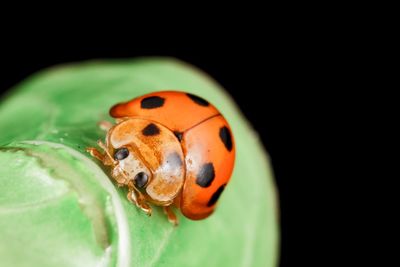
214, 198
226, 137
121, 153
152, 102
174, 160
206, 175
178, 135
150, 130
198, 100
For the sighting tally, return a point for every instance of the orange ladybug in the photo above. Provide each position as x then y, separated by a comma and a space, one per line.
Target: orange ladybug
170, 149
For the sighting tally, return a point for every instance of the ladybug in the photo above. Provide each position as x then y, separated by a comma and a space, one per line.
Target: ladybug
170, 149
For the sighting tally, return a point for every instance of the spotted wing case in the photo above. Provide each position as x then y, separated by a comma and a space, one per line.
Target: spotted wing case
175, 110
206, 140
209, 156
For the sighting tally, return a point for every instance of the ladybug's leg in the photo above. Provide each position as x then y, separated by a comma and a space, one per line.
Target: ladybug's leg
106, 158
95, 153
138, 199
171, 215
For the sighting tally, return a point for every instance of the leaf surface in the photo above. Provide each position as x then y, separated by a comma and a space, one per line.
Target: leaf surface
58, 206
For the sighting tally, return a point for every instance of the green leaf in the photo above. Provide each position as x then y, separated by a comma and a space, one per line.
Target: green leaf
58, 206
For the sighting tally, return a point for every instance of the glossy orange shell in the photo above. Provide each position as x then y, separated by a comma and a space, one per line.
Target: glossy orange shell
206, 141
178, 111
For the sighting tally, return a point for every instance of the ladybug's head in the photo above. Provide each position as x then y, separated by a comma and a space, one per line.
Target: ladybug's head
148, 157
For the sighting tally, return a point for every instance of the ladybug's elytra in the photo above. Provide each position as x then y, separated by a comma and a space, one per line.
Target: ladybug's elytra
170, 148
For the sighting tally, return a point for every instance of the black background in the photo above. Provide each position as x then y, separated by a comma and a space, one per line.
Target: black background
275, 81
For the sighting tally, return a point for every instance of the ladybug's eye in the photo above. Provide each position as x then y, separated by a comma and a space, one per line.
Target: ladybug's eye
141, 179
121, 153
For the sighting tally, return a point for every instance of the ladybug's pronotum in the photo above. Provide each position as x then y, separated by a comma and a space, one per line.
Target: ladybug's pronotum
170, 149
